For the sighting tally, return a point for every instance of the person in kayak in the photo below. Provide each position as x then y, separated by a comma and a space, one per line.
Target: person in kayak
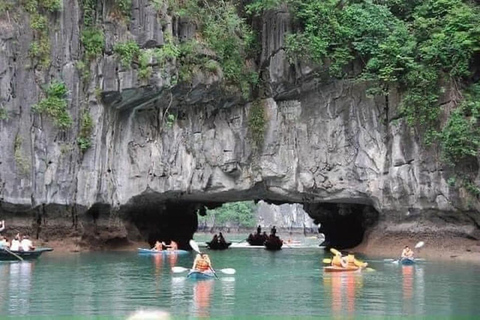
202, 262
158, 246
171, 247
352, 262
339, 261
407, 253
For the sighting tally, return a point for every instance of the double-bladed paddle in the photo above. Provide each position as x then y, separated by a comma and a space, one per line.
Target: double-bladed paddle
182, 269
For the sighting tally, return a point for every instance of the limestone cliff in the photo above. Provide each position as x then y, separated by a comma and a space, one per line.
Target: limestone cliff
161, 151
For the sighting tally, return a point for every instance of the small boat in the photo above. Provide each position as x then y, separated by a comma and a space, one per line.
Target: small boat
341, 269
9, 255
216, 245
166, 252
256, 239
201, 275
407, 261
273, 243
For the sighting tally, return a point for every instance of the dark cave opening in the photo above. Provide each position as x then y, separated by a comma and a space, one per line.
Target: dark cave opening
344, 225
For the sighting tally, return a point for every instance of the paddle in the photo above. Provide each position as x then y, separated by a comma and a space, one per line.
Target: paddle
14, 254
182, 269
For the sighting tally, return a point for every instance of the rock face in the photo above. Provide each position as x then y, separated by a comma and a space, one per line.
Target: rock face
348, 158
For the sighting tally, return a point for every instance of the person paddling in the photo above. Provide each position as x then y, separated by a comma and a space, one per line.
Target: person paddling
338, 260
202, 262
353, 262
158, 246
407, 253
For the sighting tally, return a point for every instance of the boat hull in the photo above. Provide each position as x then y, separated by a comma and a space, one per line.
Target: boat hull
218, 245
163, 252
340, 269
25, 255
199, 275
273, 244
407, 262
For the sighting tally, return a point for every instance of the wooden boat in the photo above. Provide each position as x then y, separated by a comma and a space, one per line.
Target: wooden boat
200, 275
216, 245
341, 269
164, 252
256, 239
273, 244
407, 261
9, 255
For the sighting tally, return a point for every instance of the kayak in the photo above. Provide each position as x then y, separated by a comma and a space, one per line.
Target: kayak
199, 275
407, 261
340, 269
167, 252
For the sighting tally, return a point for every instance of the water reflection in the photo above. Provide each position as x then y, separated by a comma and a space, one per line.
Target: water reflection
172, 258
19, 286
413, 289
202, 291
343, 288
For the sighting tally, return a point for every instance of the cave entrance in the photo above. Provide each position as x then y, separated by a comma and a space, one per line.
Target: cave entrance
342, 224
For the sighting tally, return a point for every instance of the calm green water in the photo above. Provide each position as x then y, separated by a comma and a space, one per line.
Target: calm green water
289, 283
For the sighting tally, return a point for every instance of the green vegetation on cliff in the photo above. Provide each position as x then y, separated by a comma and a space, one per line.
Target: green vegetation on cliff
427, 49
55, 105
234, 214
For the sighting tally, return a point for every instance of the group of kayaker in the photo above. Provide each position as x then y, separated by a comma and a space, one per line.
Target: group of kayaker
350, 262
160, 246
346, 262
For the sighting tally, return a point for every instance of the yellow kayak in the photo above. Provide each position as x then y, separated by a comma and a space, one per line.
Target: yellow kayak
340, 269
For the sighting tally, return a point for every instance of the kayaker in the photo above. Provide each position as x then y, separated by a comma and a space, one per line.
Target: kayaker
158, 246
173, 246
214, 239
407, 253
202, 262
352, 262
339, 261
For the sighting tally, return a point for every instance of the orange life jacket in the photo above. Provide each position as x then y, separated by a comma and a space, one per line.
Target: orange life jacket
202, 265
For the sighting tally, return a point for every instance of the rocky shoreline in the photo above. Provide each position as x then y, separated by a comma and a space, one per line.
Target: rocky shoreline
438, 246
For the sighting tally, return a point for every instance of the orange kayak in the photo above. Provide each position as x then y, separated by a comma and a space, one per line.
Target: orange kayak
340, 269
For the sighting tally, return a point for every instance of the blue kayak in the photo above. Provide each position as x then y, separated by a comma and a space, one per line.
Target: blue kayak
199, 275
407, 261
151, 251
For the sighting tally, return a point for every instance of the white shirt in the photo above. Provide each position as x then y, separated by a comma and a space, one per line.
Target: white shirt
26, 244
15, 246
